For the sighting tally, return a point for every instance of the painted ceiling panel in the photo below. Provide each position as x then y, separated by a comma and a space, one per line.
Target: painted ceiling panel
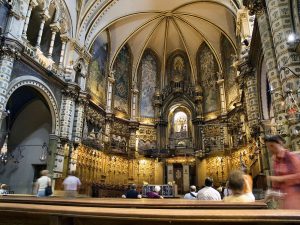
164, 27
221, 17
157, 41
174, 41
138, 43
209, 32
122, 31
192, 39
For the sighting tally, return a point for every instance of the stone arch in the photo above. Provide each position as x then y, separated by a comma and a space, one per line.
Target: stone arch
44, 91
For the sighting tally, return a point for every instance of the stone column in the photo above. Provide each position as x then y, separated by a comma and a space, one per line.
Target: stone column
44, 17
288, 61
160, 124
64, 40
170, 173
133, 127
247, 81
257, 8
32, 4
134, 93
67, 111
186, 177
54, 28
221, 84
52, 150
110, 82
9, 51
79, 116
108, 125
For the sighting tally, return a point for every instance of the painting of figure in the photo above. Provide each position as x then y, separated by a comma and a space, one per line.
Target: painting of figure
231, 86
122, 68
148, 83
97, 69
207, 67
178, 67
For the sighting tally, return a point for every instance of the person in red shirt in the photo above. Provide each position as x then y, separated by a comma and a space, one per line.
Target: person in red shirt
286, 168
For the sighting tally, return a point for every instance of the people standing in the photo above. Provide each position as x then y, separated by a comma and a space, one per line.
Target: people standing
71, 185
42, 183
192, 194
286, 168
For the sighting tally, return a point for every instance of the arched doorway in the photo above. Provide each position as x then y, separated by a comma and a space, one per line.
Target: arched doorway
27, 127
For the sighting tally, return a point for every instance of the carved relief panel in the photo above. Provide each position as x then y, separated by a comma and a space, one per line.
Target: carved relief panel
146, 138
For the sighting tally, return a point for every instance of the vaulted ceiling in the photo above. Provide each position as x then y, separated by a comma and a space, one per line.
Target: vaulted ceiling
162, 25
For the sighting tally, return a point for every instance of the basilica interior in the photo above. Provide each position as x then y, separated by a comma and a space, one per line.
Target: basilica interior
145, 92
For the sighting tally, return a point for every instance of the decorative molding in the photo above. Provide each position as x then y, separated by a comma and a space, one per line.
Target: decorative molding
43, 89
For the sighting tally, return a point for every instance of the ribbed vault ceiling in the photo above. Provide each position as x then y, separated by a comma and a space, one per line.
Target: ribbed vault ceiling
161, 25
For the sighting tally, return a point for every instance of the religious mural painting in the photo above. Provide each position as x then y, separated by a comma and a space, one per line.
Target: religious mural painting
231, 87
122, 68
148, 76
208, 69
98, 66
178, 67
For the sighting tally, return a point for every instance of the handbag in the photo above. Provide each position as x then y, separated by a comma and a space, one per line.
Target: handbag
48, 190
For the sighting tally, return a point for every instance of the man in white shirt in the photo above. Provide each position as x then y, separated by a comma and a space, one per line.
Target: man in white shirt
71, 184
208, 192
192, 194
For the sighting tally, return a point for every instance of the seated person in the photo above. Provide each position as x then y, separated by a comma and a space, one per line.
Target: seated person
155, 193
132, 193
208, 192
236, 185
227, 190
192, 194
3, 189
248, 185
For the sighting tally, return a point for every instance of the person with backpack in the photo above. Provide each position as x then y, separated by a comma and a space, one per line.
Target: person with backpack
43, 184
286, 172
192, 194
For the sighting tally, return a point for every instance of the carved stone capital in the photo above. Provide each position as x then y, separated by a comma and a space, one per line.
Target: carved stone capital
55, 27
10, 48
64, 38
71, 91
33, 3
111, 80
109, 118
45, 16
83, 98
112, 74
255, 7
133, 126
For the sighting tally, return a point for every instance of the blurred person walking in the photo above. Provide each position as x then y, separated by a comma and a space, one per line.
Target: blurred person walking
286, 168
71, 185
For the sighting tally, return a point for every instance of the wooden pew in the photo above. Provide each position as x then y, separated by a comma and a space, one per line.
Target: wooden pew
134, 203
39, 214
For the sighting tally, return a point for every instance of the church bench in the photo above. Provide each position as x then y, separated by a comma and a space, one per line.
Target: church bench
135, 203
38, 214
